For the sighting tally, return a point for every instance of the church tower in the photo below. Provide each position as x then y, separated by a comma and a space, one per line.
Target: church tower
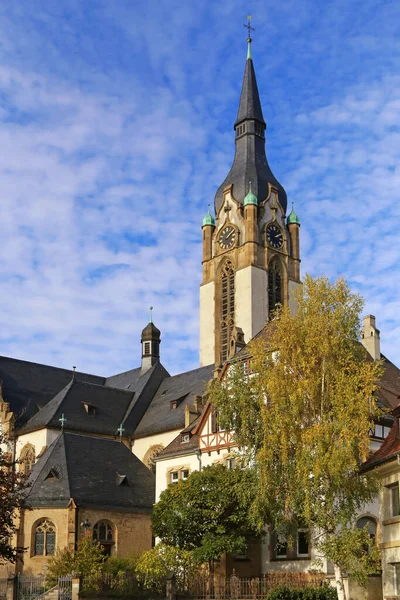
251, 251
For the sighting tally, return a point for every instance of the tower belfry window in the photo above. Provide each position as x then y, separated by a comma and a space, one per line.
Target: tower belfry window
227, 308
274, 286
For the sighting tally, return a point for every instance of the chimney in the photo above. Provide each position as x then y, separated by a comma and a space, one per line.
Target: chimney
370, 337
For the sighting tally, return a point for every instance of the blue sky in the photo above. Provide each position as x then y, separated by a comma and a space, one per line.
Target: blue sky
116, 130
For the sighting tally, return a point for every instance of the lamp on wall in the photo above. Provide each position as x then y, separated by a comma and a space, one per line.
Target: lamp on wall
86, 527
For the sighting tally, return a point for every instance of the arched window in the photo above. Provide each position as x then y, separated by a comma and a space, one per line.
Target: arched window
27, 459
103, 533
45, 538
371, 522
150, 455
274, 286
227, 308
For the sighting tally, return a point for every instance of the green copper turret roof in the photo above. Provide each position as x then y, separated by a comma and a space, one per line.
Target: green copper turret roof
250, 198
293, 218
208, 219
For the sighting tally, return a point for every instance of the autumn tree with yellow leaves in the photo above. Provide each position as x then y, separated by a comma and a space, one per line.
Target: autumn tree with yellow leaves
301, 405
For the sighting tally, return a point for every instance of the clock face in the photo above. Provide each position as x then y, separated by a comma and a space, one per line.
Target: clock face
227, 237
274, 237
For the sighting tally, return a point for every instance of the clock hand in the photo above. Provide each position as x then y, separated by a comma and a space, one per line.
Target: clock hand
229, 235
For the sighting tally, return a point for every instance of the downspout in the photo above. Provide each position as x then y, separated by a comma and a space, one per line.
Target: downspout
198, 454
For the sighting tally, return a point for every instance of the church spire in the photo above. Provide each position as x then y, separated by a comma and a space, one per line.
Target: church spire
250, 162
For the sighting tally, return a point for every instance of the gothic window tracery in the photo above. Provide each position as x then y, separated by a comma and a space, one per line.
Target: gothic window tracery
44, 538
275, 281
227, 308
27, 459
150, 455
103, 533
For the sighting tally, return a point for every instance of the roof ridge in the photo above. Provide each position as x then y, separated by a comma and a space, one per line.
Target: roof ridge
102, 386
29, 362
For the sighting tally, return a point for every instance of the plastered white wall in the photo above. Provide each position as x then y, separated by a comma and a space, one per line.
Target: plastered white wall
141, 445
39, 439
207, 324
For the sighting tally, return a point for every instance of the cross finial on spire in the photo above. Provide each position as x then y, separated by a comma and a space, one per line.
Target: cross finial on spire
120, 431
249, 30
62, 420
151, 313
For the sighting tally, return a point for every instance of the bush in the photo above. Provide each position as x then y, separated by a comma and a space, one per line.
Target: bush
87, 561
326, 592
155, 565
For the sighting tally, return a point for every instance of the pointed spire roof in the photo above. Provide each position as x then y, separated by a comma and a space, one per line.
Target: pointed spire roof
250, 104
250, 162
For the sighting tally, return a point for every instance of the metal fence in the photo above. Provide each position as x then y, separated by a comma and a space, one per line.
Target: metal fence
106, 582
65, 587
29, 588
246, 588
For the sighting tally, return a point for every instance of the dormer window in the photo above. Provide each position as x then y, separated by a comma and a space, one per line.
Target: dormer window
90, 408
173, 405
185, 437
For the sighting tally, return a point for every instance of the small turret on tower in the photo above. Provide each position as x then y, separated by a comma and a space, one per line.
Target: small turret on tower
293, 224
150, 345
208, 227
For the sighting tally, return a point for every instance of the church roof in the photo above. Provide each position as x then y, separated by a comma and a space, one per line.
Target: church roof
125, 380
160, 415
109, 408
94, 472
250, 162
28, 386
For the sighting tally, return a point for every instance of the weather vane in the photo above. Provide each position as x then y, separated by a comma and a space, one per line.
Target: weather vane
249, 28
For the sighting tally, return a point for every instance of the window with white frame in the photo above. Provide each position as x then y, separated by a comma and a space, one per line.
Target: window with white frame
174, 476
178, 475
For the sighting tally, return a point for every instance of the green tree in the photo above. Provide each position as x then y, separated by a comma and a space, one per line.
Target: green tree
12, 491
207, 514
303, 415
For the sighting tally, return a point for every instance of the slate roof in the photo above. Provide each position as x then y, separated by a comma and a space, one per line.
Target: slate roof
89, 470
110, 407
182, 388
250, 162
29, 386
124, 380
177, 447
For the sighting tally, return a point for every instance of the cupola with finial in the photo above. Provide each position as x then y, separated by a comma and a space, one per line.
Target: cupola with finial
150, 344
